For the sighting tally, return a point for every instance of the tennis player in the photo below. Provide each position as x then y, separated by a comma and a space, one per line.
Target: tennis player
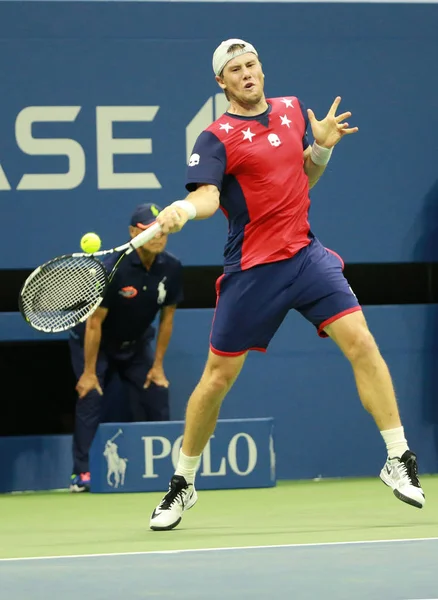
256, 164
118, 338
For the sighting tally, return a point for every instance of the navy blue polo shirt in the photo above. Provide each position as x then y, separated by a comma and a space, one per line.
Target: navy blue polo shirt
135, 295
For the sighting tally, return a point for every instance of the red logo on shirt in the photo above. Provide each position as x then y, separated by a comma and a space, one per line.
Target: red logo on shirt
128, 292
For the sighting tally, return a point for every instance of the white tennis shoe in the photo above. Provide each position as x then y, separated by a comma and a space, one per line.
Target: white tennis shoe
401, 475
180, 497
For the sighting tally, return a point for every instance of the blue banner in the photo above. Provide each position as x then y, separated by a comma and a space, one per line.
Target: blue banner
141, 457
102, 102
35, 462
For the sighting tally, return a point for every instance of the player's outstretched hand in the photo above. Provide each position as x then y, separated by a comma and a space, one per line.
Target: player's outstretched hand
86, 383
328, 132
172, 219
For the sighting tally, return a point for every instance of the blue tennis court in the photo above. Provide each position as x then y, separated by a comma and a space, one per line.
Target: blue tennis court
379, 570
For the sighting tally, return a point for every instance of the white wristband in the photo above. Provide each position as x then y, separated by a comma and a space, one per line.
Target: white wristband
319, 155
186, 205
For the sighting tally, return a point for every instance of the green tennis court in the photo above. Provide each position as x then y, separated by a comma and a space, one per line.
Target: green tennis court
275, 534
59, 523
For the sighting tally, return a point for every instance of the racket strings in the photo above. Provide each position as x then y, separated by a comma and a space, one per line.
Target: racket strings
63, 292
58, 295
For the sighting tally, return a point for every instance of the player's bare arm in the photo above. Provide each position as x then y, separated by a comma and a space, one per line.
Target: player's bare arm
200, 204
93, 334
326, 133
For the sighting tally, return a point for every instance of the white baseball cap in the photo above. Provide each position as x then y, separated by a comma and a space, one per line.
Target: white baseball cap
221, 55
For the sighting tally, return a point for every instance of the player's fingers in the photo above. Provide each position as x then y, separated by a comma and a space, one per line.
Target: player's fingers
163, 222
170, 221
344, 115
99, 390
147, 383
177, 221
177, 227
166, 228
334, 106
351, 130
166, 219
311, 115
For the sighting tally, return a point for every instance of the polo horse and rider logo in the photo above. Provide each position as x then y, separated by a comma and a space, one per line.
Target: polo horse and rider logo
116, 465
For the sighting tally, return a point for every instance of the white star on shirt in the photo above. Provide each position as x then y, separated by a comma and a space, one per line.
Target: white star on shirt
248, 135
288, 102
285, 121
226, 126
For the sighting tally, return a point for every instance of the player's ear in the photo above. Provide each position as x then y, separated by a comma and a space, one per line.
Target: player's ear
220, 82
132, 231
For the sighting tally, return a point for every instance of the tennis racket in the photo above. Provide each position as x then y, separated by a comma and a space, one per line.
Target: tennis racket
66, 290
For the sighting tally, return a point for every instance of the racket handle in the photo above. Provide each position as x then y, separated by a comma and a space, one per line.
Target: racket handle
144, 237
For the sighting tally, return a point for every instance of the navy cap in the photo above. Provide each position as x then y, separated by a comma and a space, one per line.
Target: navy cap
144, 215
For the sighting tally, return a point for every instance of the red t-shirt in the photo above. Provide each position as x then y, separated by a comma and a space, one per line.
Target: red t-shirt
257, 165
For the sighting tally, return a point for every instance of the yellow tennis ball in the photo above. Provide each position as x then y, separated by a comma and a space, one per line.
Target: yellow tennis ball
90, 242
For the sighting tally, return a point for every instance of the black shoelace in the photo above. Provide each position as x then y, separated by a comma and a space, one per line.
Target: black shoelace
412, 470
172, 496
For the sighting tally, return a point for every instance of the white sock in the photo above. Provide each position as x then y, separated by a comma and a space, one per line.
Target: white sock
395, 441
187, 466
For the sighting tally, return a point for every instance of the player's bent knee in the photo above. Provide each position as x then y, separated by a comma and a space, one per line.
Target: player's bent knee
221, 372
218, 383
361, 346
226, 364
222, 378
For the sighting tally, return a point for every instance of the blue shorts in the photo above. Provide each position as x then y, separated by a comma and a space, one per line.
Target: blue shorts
252, 304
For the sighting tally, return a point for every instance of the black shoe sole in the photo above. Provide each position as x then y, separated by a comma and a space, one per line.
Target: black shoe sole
404, 498
168, 528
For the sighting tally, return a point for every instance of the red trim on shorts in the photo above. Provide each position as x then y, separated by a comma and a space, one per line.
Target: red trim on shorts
217, 287
337, 256
224, 211
321, 333
220, 353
